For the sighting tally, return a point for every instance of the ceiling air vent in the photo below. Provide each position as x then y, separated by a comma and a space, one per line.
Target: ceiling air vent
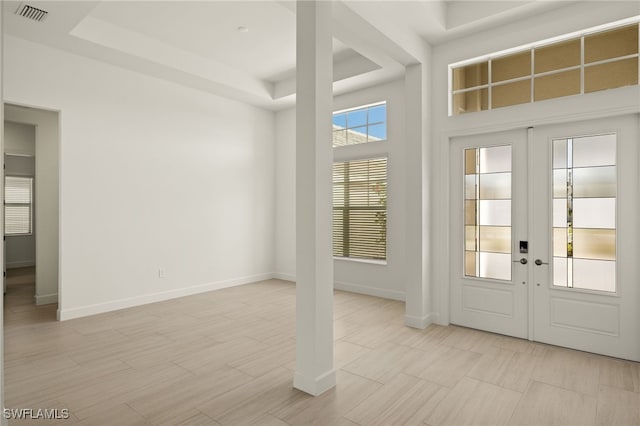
31, 12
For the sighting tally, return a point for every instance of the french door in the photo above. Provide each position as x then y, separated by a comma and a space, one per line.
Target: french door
544, 234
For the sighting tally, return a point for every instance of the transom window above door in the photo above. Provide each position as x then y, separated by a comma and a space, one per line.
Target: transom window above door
589, 61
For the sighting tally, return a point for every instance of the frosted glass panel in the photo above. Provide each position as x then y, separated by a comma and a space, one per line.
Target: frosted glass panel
495, 186
560, 242
470, 238
495, 212
560, 154
594, 275
593, 182
594, 244
560, 271
470, 161
495, 265
495, 159
470, 212
560, 213
495, 239
594, 151
560, 183
594, 213
470, 187
470, 263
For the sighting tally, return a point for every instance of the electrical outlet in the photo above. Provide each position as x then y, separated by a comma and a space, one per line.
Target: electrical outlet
162, 273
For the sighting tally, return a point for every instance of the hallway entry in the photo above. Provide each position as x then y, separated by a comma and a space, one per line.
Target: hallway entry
544, 234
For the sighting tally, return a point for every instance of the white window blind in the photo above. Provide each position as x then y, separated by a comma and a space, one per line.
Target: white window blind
18, 196
360, 209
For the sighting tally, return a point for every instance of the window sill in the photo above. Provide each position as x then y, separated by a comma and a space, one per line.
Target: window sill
369, 261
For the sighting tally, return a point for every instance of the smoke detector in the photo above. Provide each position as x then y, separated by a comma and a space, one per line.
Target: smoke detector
31, 12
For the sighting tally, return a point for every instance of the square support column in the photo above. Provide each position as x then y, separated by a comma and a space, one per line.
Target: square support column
417, 206
2, 248
314, 204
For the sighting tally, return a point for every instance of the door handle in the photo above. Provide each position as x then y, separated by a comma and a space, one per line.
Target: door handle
524, 261
540, 262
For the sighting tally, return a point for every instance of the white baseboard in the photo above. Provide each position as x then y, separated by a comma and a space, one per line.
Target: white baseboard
353, 288
419, 322
99, 308
21, 264
370, 291
46, 299
316, 385
284, 277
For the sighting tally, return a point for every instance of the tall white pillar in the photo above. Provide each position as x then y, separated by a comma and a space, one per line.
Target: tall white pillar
417, 206
314, 156
4, 421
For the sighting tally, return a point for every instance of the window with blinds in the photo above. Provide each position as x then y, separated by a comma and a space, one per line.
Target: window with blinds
360, 209
18, 197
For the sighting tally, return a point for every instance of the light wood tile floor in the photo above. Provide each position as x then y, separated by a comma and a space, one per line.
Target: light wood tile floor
227, 358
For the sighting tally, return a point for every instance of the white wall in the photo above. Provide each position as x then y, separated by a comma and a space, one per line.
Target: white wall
21, 249
369, 278
573, 17
152, 176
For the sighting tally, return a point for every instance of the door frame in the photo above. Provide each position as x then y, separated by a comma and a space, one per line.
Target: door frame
446, 295
607, 103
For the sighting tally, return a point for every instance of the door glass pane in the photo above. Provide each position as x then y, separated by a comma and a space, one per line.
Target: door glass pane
495, 159
560, 242
584, 212
560, 183
594, 244
594, 213
594, 275
495, 265
592, 182
487, 204
597, 150
496, 239
495, 212
495, 186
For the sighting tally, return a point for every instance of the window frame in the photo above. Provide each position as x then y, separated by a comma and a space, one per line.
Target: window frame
347, 209
366, 126
29, 204
532, 76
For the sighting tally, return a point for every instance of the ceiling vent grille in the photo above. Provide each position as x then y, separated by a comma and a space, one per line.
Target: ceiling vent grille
31, 12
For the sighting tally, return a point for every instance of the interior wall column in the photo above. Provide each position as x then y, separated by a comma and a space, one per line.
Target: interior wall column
2, 254
314, 157
418, 203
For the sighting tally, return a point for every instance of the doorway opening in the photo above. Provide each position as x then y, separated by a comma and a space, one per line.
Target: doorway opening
30, 264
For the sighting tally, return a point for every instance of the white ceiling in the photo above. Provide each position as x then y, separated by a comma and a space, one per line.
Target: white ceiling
199, 44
